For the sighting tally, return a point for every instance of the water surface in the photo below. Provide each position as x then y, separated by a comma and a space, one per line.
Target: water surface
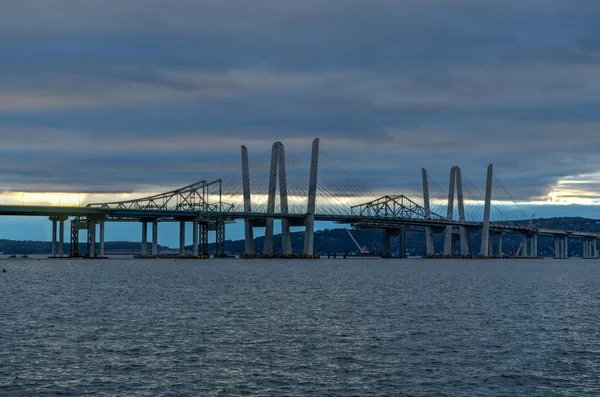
301, 328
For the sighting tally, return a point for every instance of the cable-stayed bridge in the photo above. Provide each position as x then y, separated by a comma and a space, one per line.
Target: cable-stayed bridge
298, 194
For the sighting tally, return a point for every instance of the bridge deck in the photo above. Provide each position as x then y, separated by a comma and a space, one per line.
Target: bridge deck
359, 220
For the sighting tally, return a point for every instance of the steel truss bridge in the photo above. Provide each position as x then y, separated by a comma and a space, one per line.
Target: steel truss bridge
211, 205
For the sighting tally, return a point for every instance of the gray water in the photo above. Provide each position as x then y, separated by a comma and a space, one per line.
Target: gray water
302, 328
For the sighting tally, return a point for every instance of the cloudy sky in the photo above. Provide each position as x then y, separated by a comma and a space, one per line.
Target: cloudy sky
103, 97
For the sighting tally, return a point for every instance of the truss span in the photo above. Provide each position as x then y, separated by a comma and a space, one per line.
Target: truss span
394, 207
201, 196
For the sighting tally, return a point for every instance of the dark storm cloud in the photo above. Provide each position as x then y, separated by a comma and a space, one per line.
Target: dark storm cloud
120, 95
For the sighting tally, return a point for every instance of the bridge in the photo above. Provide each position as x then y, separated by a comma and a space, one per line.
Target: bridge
307, 195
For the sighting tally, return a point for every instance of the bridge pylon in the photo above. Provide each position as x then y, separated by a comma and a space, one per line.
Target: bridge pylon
309, 222
277, 169
485, 230
455, 187
278, 173
429, 247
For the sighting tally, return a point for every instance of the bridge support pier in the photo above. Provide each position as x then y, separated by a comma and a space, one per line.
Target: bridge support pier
204, 239
534, 242
101, 237
448, 240
401, 243
525, 250
248, 238
386, 243
286, 237
154, 237
144, 238
195, 238
589, 249
58, 222
181, 238
220, 240
91, 238
464, 242
429, 249
61, 238
268, 241
500, 250
53, 237
561, 247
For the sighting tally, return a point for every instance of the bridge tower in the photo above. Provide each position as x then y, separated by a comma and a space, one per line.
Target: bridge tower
278, 169
455, 185
429, 248
312, 200
464, 237
248, 230
485, 230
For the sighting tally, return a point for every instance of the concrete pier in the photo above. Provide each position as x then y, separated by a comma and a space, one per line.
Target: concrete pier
182, 238
61, 237
144, 238
500, 251
386, 243
590, 248
561, 247
91, 238
101, 222
203, 228
155, 237
54, 237
58, 235
402, 243
195, 238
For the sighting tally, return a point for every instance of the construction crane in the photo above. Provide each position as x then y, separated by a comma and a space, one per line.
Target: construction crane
361, 250
518, 251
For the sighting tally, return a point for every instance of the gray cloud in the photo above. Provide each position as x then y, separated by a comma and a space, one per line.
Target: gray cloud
133, 95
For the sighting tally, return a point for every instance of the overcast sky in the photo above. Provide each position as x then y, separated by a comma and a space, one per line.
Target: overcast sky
103, 96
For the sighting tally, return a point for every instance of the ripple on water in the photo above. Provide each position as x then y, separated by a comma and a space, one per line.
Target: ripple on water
230, 327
